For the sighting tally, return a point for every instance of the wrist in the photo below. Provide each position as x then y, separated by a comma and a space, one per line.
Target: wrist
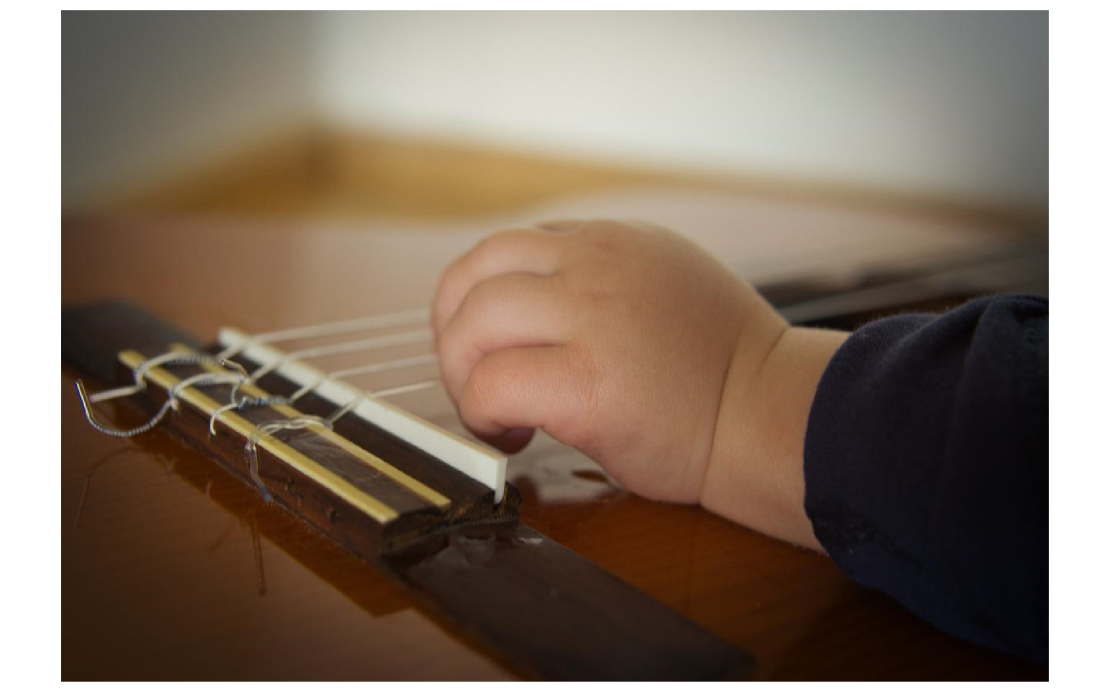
755, 473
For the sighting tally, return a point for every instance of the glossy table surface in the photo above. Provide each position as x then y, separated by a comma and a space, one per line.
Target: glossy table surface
172, 568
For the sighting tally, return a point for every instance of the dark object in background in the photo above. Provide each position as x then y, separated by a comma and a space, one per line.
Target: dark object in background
933, 285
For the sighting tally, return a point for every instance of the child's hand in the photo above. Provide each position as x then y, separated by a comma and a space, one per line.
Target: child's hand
613, 338
625, 341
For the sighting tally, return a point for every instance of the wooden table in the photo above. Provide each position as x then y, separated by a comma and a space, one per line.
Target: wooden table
173, 569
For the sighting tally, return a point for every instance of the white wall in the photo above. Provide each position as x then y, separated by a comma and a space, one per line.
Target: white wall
943, 104
939, 104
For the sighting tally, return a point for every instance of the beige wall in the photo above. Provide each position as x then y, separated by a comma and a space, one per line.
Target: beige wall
937, 104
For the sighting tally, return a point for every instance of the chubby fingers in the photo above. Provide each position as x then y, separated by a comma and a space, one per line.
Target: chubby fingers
502, 312
511, 392
524, 250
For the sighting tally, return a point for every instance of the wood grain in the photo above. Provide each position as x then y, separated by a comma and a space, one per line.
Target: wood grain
174, 569
338, 173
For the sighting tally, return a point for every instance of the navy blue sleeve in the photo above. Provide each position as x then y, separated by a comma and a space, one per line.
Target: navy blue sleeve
927, 467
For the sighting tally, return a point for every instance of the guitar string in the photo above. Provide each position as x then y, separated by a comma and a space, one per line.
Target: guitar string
377, 394
356, 346
175, 358
267, 428
236, 379
306, 421
352, 347
329, 329
378, 367
241, 377
171, 358
270, 427
337, 328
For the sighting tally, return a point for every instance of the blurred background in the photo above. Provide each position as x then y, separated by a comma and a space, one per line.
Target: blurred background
276, 170
437, 115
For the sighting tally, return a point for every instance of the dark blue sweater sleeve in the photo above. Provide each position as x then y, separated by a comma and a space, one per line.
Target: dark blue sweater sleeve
927, 467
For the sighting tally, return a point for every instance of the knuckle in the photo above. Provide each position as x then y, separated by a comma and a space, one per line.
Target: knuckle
604, 236
498, 240
560, 225
479, 301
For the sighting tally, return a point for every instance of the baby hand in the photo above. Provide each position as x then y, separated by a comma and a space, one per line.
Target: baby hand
615, 338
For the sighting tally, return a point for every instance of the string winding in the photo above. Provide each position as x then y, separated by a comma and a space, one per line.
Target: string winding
173, 358
240, 377
269, 428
